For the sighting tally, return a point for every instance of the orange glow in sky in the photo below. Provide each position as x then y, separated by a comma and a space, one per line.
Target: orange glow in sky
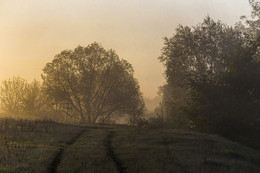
32, 32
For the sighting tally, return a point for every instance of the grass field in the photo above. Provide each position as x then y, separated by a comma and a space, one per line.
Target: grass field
38, 146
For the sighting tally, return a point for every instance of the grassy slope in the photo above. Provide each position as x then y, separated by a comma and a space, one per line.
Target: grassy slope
32, 146
29, 146
179, 151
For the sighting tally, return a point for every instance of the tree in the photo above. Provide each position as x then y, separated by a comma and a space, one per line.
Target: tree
194, 51
228, 103
251, 25
213, 73
12, 94
33, 99
95, 82
19, 97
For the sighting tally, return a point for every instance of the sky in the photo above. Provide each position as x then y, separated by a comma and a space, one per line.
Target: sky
32, 32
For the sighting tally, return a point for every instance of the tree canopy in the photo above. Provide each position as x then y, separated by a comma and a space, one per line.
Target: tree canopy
19, 97
212, 73
194, 51
95, 83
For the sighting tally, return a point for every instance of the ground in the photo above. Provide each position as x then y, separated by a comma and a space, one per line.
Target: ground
39, 146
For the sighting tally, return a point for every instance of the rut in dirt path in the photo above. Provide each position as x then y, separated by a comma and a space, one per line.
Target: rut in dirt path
111, 153
57, 159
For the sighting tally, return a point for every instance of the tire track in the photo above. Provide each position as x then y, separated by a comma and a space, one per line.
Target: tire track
57, 159
111, 153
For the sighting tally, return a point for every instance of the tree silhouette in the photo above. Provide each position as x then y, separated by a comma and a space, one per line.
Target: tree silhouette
96, 82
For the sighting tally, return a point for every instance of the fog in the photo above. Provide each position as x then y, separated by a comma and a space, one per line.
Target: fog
32, 32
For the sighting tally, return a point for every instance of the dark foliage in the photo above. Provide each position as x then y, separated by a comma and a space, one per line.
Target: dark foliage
213, 77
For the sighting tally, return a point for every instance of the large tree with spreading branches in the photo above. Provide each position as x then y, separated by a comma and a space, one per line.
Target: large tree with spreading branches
94, 83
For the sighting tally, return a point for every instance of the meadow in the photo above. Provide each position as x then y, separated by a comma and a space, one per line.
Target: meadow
45, 146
